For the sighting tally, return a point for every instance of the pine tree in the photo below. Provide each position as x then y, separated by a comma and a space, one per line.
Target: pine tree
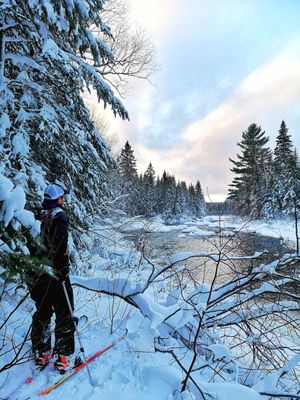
149, 191
192, 200
127, 162
200, 206
283, 153
266, 195
250, 169
48, 56
184, 197
167, 195
291, 201
177, 211
158, 196
284, 167
130, 185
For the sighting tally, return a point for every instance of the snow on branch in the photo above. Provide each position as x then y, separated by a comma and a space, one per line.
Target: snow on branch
217, 305
104, 91
268, 384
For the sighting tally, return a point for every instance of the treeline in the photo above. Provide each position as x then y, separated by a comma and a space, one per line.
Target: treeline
227, 207
149, 195
266, 182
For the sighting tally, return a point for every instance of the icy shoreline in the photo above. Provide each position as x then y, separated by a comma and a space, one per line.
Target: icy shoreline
212, 225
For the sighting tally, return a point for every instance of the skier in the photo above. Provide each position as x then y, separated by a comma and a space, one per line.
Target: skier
47, 290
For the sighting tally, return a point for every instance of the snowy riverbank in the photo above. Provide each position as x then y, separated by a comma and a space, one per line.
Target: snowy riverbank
140, 300
226, 225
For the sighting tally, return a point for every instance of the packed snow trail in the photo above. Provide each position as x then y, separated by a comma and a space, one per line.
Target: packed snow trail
84, 364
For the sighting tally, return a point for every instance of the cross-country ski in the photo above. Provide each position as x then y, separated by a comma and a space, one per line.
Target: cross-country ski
81, 366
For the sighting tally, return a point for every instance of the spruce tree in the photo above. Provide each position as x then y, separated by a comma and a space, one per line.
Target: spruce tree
284, 168
250, 170
158, 196
200, 207
130, 182
167, 195
127, 162
177, 210
283, 153
266, 194
149, 190
49, 55
291, 201
191, 200
184, 197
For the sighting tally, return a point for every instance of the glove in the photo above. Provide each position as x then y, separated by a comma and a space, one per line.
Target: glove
61, 276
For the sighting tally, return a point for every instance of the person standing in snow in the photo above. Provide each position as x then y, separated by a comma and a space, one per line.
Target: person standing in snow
47, 290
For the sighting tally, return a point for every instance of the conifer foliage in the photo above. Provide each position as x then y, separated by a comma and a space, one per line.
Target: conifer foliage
151, 195
249, 168
48, 56
127, 162
285, 166
128, 180
265, 184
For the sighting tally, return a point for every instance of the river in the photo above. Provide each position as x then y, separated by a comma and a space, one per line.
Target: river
162, 246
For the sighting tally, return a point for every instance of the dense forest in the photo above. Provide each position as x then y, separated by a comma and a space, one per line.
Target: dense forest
149, 195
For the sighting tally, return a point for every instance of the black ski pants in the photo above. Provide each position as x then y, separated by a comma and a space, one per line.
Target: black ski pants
49, 297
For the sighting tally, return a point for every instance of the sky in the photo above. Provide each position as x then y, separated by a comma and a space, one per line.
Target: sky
223, 64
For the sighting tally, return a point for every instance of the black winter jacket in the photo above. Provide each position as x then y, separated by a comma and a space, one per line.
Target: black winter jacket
54, 231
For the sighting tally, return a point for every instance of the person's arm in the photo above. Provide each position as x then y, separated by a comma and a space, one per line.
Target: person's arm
59, 235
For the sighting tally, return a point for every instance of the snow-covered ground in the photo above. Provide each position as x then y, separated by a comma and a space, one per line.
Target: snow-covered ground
284, 229
132, 369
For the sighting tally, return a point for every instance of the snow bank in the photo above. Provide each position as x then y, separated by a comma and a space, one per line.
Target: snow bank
280, 228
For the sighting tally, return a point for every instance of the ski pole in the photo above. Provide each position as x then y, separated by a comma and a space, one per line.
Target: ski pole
79, 339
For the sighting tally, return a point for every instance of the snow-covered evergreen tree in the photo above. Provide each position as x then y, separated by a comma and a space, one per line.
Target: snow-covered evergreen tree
145, 195
284, 168
18, 232
184, 197
266, 196
168, 194
149, 191
260, 196
49, 55
177, 210
250, 169
291, 201
127, 162
191, 199
130, 182
200, 207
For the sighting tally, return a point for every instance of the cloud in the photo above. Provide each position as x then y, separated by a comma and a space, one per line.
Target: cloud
216, 78
157, 16
266, 96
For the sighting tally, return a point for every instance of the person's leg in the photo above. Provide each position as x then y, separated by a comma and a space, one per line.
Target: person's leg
40, 331
64, 326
